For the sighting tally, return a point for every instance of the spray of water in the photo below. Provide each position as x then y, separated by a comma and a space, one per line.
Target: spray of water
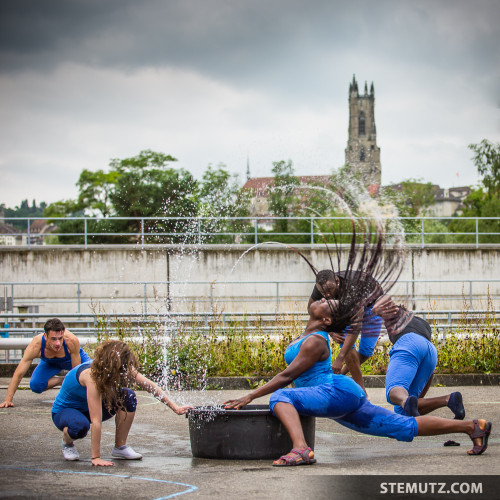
376, 252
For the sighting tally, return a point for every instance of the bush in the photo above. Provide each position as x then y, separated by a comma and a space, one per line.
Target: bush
184, 358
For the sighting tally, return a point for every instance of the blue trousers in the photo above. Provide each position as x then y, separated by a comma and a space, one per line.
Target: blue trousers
78, 422
346, 403
412, 362
46, 369
370, 332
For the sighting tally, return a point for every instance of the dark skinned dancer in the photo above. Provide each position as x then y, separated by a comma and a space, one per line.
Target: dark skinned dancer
330, 285
413, 359
319, 392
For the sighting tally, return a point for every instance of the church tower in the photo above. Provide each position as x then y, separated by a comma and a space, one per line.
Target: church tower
362, 152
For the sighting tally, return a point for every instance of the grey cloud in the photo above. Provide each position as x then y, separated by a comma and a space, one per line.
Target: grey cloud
240, 41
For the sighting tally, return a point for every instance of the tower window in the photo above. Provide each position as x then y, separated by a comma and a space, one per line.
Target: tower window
361, 123
362, 155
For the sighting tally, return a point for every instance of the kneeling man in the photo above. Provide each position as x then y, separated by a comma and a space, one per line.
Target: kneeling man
58, 349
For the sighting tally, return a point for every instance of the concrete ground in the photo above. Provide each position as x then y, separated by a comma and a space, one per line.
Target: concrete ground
32, 466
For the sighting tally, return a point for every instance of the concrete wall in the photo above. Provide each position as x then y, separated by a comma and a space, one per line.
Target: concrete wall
216, 266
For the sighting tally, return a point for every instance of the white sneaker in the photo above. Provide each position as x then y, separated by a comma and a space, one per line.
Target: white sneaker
70, 452
125, 452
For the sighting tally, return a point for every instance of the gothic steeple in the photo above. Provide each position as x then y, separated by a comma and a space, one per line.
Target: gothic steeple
362, 152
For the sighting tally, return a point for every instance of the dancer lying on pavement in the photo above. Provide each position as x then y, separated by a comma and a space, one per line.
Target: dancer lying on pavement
97, 390
413, 359
321, 393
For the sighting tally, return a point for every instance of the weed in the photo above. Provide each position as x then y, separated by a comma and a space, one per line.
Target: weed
183, 357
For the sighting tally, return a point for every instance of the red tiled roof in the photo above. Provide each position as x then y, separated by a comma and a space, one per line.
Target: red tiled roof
37, 226
8, 229
261, 183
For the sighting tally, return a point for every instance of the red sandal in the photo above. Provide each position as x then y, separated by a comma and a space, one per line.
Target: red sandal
480, 433
297, 457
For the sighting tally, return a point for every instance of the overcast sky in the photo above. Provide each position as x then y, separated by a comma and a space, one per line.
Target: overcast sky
220, 81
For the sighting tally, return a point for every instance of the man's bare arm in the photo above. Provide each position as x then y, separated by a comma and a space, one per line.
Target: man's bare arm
73, 348
31, 352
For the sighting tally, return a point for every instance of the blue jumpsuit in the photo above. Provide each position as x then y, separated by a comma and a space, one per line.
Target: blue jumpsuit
320, 393
413, 359
48, 367
71, 410
370, 328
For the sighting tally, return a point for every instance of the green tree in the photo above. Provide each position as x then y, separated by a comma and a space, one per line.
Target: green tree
316, 201
141, 186
23, 211
65, 209
147, 187
221, 196
412, 198
95, 189
487, 161
478, 204
483, 201
282, 197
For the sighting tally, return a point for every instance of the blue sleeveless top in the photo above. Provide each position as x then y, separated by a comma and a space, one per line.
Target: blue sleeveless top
72, 394
320, 373
84, 357
67, 355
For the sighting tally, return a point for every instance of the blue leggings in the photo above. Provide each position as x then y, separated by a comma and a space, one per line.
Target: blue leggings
370, 332
412, 362
349, 407
45, 370
78, 422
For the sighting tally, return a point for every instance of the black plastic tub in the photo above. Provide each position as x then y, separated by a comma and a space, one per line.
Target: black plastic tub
251, 433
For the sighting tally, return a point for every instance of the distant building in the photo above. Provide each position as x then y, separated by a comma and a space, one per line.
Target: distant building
448, 201
39, 229
259, 187
9, 235
363, 155
362, 152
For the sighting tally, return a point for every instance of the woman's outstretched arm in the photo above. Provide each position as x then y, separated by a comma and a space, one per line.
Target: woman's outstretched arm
158, 393
310, 352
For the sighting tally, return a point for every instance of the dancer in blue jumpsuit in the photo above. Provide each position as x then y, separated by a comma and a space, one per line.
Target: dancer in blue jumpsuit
330, 285
93, 392
57, 348
318, 392
413, 359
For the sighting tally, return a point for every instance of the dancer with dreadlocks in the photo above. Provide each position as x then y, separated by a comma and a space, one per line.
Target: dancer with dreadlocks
321, 393
330, 285
412, 362
95, 391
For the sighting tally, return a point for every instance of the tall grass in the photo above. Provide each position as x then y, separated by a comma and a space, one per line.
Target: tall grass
187, 355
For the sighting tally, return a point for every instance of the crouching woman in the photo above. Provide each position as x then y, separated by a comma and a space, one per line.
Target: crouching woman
98, 390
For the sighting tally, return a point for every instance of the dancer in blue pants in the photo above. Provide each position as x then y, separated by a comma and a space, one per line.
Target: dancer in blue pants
57, 348
93, 392
413, 359
318, 392
331, 285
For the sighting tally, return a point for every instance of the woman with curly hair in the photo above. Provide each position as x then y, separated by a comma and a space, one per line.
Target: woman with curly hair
95, 391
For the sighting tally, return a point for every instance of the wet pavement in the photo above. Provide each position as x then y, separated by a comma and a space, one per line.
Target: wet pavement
32, 466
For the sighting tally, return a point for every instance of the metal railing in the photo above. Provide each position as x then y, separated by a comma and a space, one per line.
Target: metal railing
16, 335
12, 295
246, 230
